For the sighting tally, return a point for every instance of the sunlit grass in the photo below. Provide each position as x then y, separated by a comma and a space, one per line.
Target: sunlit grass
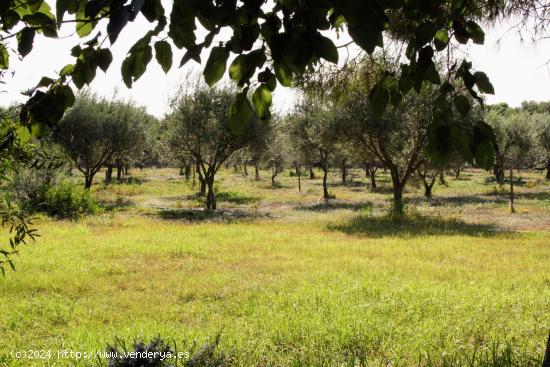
295, 282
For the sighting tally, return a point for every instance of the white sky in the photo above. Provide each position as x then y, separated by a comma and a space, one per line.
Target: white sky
517, 70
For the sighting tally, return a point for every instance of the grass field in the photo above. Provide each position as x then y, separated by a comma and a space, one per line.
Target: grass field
288, 280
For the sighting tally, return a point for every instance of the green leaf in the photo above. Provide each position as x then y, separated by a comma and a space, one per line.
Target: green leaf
4, 57
326, 49
61, 7
283, 74
268, 78
240, 113
44, 82
117, 21
431, 74
163, 54
439, 147
262, 101
194, 53
152, 9
484, 129
25, 39
64, 96
104, 58
93, 7
83, 26
462, 104
460, 33
216, 65
182, 23
379, 98
136, 62
484, 155
10, 19
424, 33
483, 83
367, 39
463, 141
237, 69
476, 33
67, 70
45, 21
244, 66
441, 39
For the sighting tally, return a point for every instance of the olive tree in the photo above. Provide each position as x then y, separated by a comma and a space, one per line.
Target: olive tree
516, 141
84, 134
199, 127
276, 156
96, 130
396, 139
129, 135
313, 127
541, 125
428, 173
273, 41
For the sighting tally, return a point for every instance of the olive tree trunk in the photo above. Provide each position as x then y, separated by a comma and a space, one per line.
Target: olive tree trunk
109, 173
210, 195
274, 174
428, 186
88, 180
344, 171
398, 185
512, 209
498, 170
298, 173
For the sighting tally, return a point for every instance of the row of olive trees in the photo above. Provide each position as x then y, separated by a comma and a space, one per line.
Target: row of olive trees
523, 138
322, 131
330, 132
341, 129
97, 133
199, 136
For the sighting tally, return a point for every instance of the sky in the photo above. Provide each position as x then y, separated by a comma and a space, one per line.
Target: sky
518, 69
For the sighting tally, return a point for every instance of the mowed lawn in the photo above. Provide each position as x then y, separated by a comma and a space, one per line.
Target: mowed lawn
285, 279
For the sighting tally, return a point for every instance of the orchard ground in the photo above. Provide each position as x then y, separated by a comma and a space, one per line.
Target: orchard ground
287, 279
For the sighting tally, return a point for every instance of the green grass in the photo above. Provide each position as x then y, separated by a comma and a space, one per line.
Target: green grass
287, 280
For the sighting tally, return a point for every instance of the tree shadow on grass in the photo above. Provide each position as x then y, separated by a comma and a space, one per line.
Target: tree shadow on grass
350, 183
120, 203
236, 198
413, 226
335, 205
200, 215
518, 181
278, 186
538, 195
457, 200
129, 180
224, 196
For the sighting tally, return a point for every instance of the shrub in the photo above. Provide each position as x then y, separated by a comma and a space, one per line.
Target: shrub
142, 354
29, 187
68, 200
159, 353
